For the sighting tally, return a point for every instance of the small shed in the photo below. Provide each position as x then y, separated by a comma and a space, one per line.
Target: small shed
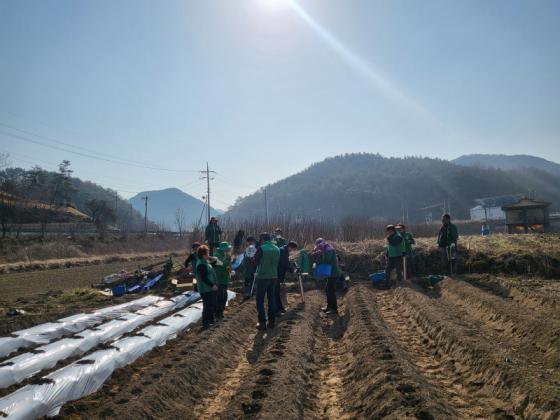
527, 216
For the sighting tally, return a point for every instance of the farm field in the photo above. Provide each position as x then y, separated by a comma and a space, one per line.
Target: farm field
49, 294
477, 347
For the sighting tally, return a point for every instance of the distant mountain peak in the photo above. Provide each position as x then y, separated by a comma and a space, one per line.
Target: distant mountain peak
163, 205
501, 161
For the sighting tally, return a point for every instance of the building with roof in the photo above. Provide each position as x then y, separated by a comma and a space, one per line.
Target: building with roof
527, 216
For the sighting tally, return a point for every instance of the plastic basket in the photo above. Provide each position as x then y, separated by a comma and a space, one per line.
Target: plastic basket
119, 290
378, 277
322, 270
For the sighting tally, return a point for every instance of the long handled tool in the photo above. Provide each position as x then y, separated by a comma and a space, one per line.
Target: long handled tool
405, 268
300, 279
253, 285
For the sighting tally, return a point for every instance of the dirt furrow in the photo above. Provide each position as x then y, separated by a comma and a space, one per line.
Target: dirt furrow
533, 333
482, 362
329, 378
174, 378
541, 296
277, 385
441, 372
380, 380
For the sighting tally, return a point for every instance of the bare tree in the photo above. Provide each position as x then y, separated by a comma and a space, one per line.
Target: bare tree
180, 222
4, 160
102, 214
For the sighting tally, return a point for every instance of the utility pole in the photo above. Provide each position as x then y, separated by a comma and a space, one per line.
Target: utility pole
116, 204
265, 206
145, 198
206, 176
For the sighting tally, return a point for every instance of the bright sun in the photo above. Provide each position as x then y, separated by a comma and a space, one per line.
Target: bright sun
275, 6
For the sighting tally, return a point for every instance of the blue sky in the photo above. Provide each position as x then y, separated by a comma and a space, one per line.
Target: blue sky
263, 88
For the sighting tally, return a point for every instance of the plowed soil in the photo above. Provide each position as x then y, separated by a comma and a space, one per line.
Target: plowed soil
470, 348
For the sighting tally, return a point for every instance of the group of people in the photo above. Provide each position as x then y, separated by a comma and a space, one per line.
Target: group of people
263, 264
400, 249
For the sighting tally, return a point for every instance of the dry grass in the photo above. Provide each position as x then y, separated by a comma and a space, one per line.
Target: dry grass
80, 262
510, 254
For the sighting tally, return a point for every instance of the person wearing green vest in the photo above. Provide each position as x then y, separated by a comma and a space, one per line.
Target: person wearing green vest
222, 269
394, 254
278, 238
191, 261
447, 243
212, 234
266, 260
324, 253
408, 241
206, 284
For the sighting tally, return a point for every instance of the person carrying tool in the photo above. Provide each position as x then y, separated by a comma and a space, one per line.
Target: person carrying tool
408, 241
212, 234
394, 254
278, 238
206, 283
191, 261
284, 266
447, 243
324, 253
222, 269
266, 276
248, 266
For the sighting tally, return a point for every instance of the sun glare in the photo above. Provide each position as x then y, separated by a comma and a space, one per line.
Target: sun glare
274, 6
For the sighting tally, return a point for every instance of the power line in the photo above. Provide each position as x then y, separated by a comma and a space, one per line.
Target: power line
88, 155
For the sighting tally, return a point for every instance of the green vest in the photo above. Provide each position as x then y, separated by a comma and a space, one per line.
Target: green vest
330, 258
407, 246
222, 273
200, 285
268, 266
395, 250
280, 242
303, 261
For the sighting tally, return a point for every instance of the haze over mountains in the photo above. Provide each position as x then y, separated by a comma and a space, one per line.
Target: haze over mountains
508, 162
163, 205
358, 185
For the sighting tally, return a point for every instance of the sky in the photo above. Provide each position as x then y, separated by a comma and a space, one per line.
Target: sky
139, 94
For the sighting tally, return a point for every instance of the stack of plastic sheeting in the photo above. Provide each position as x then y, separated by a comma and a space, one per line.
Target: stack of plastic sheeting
87, 375
18, 368
44, 333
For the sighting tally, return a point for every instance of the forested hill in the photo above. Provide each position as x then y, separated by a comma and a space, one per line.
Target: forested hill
368, 185
61, 188
509, 162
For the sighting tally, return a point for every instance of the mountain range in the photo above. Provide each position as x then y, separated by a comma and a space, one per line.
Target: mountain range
163, 206
376, 187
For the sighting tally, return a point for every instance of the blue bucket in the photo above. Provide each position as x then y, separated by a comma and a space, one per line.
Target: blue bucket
378, 277
119, 290
322, 270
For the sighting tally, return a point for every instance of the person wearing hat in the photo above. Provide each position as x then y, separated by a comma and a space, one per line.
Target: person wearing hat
408, 241
248, 265
206, 283
324, 253
192, 260
394, 254
212, 234
222, 269
278, 238
266, 275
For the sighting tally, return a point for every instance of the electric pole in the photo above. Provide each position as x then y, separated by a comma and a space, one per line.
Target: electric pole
265, 206
206, 176
116, 204
145, 198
